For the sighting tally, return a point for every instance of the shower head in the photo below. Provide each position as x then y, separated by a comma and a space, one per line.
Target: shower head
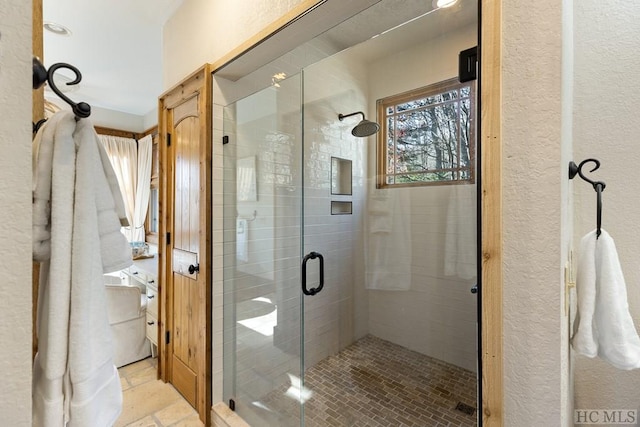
364, 128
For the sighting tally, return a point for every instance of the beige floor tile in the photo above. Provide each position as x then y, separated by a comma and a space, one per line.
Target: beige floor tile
133, 367
142, 376
145, 422
146, 399
174, 413
192, 421
124, 384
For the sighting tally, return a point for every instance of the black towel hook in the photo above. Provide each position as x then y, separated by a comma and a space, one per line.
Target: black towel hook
41, 75
599, 186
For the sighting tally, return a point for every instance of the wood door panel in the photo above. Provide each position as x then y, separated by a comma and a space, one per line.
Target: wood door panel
187, 191
178, 308
185, 234
194, 190
186, 321
185, 381
186, 226
192, 318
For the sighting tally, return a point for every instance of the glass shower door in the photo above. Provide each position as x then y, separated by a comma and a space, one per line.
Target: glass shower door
262, 226
388, 317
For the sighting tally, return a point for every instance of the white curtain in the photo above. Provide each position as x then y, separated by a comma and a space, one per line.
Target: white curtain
124, 158
145, 146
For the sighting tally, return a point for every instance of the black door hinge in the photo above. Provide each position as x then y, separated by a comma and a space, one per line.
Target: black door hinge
225, 139
167, 337
168, 139
232, 404
168, 238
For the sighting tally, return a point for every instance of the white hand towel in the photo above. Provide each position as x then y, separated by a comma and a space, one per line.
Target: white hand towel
603, 325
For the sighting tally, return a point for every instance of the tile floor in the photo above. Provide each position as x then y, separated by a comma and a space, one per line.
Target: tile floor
148, 402
370, 383
379, 384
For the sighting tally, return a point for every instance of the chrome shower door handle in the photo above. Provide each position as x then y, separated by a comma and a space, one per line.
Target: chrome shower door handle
312, 291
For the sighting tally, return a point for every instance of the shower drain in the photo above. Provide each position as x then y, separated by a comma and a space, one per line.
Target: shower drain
464, 408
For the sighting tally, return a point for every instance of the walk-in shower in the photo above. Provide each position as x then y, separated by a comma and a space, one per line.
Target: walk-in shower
348, 266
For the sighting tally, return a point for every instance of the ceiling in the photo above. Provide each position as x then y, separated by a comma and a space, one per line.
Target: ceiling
416, 21
116, 45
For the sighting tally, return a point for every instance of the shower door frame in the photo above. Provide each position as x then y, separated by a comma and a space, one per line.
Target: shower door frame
489, 200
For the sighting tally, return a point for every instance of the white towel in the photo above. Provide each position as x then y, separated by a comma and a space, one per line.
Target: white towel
379, 214
388, 241
603, 325
76, 212
460, 241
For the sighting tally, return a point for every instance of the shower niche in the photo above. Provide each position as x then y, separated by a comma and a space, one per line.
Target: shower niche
341, 176
341, 208
341, 185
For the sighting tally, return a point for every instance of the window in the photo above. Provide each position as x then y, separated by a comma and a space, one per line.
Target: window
427, 136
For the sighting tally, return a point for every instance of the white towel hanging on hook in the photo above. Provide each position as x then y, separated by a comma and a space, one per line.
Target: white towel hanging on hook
604, 327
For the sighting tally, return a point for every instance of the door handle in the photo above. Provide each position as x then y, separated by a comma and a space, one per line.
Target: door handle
194, 268
474, 289
312, 291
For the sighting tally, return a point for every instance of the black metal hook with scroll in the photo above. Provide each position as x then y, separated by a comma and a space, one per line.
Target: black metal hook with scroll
599, 186
42, 76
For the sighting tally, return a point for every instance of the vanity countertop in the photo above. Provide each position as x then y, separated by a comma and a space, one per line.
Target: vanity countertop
148, 265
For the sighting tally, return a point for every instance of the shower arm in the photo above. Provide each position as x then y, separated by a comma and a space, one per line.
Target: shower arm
343, 116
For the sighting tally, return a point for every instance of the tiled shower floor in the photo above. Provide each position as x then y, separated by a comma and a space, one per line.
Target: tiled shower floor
376, 383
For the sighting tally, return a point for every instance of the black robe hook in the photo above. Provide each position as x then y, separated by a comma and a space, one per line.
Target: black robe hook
599, 186
41, 75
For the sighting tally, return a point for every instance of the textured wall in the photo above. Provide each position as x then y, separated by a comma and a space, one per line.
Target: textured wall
15, 215
567, 201
534, 175
606, 127
204, 30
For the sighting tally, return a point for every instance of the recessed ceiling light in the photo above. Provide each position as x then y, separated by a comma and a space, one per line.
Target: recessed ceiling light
443, 3
58, 29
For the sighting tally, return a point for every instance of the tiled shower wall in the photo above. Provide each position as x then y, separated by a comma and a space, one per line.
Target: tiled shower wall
437, 315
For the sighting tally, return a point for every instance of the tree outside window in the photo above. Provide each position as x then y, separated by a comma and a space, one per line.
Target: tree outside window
427, 136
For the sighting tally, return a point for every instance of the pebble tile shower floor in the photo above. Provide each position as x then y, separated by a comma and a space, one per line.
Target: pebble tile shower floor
380, 384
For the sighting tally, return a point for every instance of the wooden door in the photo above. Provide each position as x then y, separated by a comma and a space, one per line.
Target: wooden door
185, 241
186, 250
